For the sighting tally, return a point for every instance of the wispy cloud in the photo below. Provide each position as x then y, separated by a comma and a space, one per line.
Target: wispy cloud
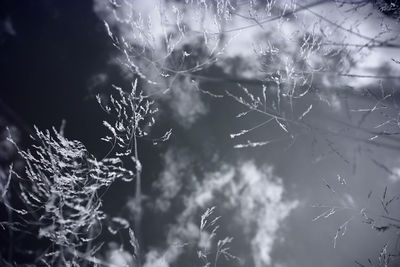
252, 194
117, 256
185, 100
147, 25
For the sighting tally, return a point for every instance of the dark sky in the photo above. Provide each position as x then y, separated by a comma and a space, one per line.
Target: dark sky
47, 61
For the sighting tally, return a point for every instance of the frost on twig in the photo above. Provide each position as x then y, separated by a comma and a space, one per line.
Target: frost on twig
134, 115
208, 227
61, 191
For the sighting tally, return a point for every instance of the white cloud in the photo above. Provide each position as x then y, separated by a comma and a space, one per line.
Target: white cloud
185, 100
153, 21
366, 21
96, 81
154, 259
117, 256
170, 181
395, 176
261, 205
147, 28
253, 195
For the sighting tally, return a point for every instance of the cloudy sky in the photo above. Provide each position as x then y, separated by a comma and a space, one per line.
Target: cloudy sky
285, 187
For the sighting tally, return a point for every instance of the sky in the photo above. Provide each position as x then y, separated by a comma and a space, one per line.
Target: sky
56, 56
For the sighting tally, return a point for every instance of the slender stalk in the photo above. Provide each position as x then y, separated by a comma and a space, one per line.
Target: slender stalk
10, 235
138, 196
